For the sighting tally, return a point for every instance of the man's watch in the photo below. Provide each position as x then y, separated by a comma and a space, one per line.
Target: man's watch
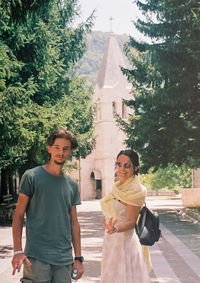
80, 258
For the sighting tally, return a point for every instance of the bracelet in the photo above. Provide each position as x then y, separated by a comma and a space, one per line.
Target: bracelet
115, 229
18, 252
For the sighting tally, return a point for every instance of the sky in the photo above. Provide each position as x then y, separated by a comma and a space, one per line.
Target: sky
123, 13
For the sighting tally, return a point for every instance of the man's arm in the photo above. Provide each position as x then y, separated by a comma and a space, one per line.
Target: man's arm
76, 241
17, 227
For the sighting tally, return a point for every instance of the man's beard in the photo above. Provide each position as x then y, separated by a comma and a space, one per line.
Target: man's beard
59, 163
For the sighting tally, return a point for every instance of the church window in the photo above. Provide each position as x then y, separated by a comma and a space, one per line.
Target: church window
114, 108
97, 111
124, 111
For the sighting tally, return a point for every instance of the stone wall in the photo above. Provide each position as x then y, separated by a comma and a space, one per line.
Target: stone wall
196, 178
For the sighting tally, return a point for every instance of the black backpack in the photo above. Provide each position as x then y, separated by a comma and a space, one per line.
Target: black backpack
147, 227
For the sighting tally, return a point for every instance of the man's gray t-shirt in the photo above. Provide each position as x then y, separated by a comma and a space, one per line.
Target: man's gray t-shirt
48, 229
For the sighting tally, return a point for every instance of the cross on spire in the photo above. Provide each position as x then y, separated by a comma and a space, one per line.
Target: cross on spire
111, 19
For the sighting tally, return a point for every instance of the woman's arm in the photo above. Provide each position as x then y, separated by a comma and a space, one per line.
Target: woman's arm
129, 222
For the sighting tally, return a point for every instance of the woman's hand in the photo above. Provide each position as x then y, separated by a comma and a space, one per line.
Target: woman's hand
110, 225
123, 225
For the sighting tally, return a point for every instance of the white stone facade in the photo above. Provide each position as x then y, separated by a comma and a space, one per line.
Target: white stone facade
97, 171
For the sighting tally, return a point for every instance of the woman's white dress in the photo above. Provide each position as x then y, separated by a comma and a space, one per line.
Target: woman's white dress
122, 256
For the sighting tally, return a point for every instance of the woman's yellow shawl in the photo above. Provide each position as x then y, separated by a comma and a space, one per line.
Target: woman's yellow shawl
131, 192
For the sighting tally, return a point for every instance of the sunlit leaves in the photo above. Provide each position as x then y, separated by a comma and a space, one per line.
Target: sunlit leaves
39, 47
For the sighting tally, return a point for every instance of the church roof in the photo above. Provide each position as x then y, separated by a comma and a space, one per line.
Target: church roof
110, 73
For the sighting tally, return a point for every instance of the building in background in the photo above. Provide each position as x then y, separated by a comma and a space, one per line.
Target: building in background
97, 171
196, 178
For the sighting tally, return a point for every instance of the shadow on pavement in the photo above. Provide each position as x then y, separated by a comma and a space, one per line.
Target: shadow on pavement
5, 251
91, 237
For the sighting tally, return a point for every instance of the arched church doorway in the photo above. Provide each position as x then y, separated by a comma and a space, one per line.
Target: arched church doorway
96, 177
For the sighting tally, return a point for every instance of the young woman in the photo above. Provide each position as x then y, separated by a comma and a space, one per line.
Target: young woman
123, 259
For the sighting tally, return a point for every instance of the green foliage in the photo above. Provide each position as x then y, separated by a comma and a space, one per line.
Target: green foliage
165, 75
172, 177
39, 47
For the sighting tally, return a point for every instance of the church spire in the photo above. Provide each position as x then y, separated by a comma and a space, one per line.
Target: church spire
110, 72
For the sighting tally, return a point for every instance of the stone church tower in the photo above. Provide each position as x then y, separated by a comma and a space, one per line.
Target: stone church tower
97, 171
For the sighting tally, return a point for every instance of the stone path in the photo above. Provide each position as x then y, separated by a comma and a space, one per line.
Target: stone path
175, 258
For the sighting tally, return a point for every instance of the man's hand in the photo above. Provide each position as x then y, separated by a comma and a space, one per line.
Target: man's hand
79, 266
17, 262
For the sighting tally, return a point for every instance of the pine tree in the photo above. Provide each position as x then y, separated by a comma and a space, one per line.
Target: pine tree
165, 75
39, 46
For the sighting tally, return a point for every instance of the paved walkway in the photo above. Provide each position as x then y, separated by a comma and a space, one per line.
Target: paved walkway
175, 258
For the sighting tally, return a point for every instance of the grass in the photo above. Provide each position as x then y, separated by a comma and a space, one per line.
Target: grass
195, 209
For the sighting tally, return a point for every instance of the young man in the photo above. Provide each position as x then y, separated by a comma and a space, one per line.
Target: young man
49, 198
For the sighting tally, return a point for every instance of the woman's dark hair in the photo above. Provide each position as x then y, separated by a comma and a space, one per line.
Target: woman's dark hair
65, 134
134, 157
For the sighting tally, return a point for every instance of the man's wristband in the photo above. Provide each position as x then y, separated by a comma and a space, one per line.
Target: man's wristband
79, 258
18, 252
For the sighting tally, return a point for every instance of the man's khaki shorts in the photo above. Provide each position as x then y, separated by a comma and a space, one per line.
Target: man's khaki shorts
41, 272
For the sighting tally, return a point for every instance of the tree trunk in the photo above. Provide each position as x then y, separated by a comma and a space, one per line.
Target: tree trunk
4, 183
10, 181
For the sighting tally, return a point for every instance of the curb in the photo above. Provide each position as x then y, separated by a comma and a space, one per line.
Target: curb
190, 213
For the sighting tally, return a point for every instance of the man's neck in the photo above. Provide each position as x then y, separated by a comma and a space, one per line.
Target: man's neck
54, 169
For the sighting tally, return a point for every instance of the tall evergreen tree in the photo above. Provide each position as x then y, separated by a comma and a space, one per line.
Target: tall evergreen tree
165, 75
39, 46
